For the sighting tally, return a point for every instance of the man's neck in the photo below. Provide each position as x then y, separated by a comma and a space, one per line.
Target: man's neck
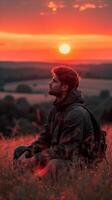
60, 98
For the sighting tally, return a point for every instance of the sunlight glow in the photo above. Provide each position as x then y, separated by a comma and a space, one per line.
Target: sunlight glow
65, 48
16, 46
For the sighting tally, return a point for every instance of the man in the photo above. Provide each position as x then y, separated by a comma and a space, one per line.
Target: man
67, 126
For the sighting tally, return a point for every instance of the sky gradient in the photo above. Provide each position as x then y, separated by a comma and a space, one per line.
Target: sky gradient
34, 29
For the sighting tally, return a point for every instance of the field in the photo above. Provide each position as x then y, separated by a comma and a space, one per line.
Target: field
32, 98
89, 86
21, 185
40, 89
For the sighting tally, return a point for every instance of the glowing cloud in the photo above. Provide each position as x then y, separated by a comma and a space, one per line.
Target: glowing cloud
85, 6
52, 6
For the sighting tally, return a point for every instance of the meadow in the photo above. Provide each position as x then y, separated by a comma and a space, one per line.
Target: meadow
40, 89
88, 86
31, 98
76, 185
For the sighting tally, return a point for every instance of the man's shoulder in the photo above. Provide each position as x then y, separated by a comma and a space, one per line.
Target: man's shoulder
80, 108
76, 110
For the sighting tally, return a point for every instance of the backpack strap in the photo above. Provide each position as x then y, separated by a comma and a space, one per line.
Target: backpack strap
98, 133
96, 126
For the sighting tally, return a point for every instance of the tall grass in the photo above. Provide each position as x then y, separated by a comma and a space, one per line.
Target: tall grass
76, 185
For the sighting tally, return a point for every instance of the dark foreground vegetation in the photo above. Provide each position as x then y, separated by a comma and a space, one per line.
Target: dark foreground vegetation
19, 117
18, 184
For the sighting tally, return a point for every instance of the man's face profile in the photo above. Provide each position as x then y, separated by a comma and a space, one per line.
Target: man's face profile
55, 86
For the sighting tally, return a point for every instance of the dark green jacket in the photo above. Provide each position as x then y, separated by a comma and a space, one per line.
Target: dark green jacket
68, 124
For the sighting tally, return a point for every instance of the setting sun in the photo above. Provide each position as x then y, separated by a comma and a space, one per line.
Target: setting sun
64, 48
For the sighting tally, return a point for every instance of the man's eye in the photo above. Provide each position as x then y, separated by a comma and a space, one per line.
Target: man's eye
54, 80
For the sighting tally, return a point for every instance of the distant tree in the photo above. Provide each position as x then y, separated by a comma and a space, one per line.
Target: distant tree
7, 115
23, 88
23, 107
105, 94
9, 99
2, 83
35, 84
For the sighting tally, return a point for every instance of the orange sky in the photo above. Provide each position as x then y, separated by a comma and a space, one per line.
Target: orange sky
33, 30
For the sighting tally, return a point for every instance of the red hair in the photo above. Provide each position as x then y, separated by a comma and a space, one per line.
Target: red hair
67, 76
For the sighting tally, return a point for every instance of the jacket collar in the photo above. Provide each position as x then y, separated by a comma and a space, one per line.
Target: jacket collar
74, 96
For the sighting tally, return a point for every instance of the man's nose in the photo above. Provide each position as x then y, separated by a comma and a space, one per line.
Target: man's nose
50, 82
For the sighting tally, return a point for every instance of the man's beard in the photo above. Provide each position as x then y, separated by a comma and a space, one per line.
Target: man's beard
55, 93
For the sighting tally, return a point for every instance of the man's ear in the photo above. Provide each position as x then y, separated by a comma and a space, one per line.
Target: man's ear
65, 87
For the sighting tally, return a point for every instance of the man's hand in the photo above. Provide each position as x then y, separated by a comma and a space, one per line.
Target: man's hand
20, 151
23, 164
29, 151
29, 154
36, 148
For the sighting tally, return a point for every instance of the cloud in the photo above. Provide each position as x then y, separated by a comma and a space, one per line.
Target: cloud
81, 5
53, 6
86, 6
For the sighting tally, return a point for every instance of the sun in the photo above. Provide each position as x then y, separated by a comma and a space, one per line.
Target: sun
64, 48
